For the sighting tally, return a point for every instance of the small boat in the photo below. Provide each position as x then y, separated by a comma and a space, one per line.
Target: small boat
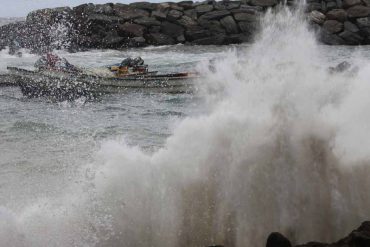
62, 85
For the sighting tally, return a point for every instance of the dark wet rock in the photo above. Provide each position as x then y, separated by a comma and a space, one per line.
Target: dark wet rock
112, 40
186, 22
229, 24
215, 15
172, 29
192, 13
333, 26
186, 4
154, 29
119, 25
349, 26
313, 6
137, 42
174, 15
105, 9
249, 28
198, 33
212, 26
331, 5
147, 21
364, 25
248, 9
357, 238
99, 19
232, 5
129, 13
358, 11
160, 39
143, 5
175, 6
219, 6
317, 17
204, 8
337, 14
276, 239
160, 14
350, 3
263, 3
212, 40
351, 38
246, 17
131, 30
330, 39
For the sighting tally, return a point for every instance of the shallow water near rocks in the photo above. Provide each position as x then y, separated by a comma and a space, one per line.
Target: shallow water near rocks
271, 142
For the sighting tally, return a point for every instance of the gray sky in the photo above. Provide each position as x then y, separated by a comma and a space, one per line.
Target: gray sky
19, 8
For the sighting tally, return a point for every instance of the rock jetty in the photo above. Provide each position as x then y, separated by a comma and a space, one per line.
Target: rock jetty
357, 238
116, 26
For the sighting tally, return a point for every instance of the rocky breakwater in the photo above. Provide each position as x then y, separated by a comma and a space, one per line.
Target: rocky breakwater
357, 238
138, 24
341, 22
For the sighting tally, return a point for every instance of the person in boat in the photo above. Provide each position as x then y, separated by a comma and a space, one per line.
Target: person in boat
53, 62
130, 66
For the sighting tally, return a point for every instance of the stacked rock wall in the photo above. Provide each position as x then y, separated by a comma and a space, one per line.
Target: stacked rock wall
341, 22
196, 23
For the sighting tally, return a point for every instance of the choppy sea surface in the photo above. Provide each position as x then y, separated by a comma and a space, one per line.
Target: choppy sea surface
271, 142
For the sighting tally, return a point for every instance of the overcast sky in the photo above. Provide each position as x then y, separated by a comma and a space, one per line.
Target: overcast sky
19, 8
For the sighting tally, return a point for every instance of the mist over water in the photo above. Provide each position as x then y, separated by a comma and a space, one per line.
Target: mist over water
284, 147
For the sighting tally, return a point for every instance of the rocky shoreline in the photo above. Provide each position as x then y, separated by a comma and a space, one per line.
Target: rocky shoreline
116, 26
360, 237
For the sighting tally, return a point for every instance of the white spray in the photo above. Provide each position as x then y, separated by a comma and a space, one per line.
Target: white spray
284, 148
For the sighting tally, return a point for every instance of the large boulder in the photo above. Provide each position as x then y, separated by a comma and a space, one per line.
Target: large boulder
364, 25
229, 24
49, 16
249, 28
333, 26
129, 13
160, 39
174, 15
276, 239
246, 17
131, 30
171, 29
264, 3
213, 26
349, 26
329, 38
358, 11
147, 21
317, 17
331, 5
105, 9
186, 4
186, 22
160, 14
143, 5
197, 33
337, 14
350, 3
204, 8
215, 15
99, 19
351, 38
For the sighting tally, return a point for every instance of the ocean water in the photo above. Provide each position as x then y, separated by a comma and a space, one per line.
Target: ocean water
271, 141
